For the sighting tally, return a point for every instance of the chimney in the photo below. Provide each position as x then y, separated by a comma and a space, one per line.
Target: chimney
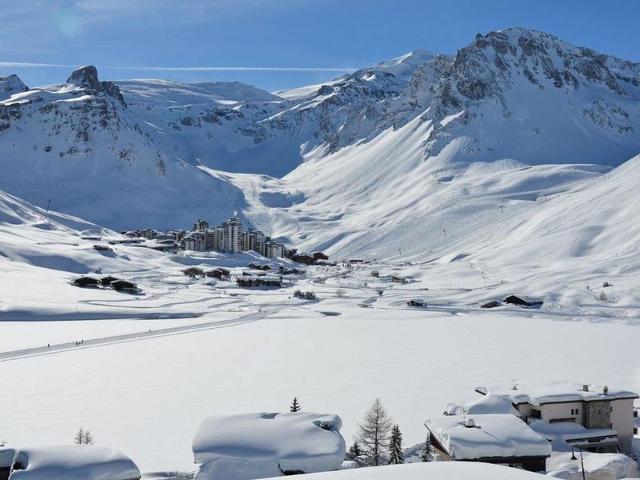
605, 390
585, 388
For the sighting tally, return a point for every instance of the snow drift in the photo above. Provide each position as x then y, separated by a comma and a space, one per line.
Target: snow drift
249, 446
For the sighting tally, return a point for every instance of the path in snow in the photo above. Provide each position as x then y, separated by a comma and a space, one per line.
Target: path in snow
129, 337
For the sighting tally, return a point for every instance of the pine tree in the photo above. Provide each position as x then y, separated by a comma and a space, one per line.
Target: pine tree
88, 438
396, 454
354, 453
373, 434
79, 438
427, 450
83, 437
295, 405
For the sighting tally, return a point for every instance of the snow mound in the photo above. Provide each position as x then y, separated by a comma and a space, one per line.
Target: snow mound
597, 466
73, 463
431, 471
491, 404
258, 445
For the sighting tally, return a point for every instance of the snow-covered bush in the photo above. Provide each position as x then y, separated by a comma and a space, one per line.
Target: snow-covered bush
259, 445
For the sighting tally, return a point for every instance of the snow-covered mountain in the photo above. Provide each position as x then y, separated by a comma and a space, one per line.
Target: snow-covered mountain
320, 164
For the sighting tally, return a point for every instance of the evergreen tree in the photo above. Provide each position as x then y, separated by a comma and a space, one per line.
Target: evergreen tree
427, 450
295, 405
396, 454
354, 453
83, 437
373, 435
79, 438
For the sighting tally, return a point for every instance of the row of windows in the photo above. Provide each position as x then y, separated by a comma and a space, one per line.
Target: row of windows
575, 411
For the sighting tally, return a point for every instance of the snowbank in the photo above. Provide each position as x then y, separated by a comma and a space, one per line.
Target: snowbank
482, 436
430, 471
73, 463
258, 445
597, 466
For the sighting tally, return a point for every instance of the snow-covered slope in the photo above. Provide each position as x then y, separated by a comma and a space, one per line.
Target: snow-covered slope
328, 157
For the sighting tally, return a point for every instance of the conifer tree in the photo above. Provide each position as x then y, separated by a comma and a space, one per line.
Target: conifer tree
373, 435
295, 405
396, 455
354, 453
427, 450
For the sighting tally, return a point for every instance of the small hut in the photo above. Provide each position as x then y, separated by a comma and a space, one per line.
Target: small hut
124, 286
193, 272
85, 282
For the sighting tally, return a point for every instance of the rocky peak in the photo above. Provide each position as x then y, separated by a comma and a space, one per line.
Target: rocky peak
87, 78
10, 85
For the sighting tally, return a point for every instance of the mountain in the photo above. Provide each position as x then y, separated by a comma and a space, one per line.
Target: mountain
358, 165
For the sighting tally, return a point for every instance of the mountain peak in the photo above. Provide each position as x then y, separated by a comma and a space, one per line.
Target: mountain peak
87, 78
10, 85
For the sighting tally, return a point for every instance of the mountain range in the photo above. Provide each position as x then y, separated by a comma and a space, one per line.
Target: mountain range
402, 158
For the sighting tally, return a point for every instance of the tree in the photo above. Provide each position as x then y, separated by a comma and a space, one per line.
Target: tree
83, 437
427, 450
79, 438
373, 434
396, 455
295, 405
354, 453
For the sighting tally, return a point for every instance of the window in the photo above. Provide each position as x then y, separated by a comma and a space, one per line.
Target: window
635, 414
635, 430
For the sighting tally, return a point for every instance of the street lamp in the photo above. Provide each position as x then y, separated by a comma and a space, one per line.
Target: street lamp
573, 457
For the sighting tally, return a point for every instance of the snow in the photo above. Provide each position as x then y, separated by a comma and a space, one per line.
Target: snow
597, 466
73, 463
559, 391
491, 404
484, 436
243, 447
431, 470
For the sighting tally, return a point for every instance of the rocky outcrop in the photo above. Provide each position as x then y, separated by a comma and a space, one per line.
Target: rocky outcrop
86, 78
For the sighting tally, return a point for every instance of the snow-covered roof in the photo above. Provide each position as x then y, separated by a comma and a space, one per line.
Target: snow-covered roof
559, 433
73, 463
491, 403
555, 392
258, 445
487, 436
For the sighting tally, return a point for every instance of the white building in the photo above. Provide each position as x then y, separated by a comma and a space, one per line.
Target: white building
232, 231
606, 414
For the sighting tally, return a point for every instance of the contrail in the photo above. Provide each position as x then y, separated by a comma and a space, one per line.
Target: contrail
183, 69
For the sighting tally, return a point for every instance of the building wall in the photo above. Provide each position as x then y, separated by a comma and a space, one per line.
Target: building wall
597, 414
551, 411
622, 422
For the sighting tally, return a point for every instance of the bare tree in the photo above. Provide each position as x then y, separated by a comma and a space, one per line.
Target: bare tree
373, 434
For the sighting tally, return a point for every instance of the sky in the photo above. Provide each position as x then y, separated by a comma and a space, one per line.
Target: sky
276, 44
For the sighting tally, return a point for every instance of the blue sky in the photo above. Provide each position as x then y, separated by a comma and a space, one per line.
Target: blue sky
125, 37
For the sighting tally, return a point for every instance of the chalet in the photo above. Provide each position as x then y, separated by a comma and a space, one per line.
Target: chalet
259, 266
304, 258
490, 438
606, 415
124, 286
254, 281
106, 281
416, 302
102, 248
320, 256
193, 272
522, 301
221, 273
86, 282
398, 279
